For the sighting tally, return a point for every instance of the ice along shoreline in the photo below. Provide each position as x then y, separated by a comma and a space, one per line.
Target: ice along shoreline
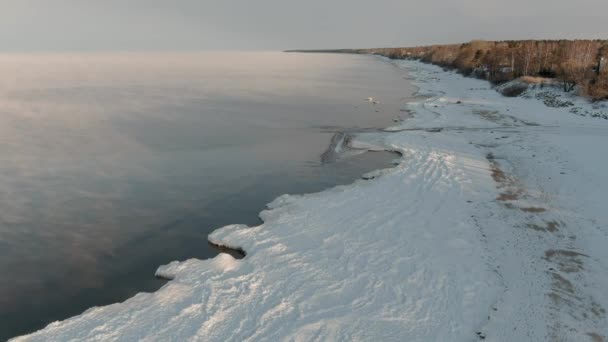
444, 246
169, 175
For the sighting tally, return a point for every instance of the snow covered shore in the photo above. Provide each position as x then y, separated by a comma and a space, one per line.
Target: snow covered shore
493, 226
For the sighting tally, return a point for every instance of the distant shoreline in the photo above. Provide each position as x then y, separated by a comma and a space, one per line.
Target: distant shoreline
353, 51
580, 66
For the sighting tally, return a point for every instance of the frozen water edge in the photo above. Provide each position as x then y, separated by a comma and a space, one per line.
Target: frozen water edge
424, 251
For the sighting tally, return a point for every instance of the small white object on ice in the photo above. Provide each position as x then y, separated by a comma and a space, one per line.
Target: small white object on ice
406, 256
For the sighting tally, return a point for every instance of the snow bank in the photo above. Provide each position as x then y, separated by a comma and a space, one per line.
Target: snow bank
549, 249
476, 233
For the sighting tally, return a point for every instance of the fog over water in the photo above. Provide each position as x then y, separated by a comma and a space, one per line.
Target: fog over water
118, 155
113, 164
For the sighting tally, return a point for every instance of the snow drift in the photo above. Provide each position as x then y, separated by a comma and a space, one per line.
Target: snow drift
491, 227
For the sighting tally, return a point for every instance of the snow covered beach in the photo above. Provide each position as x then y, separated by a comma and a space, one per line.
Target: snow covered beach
493, 226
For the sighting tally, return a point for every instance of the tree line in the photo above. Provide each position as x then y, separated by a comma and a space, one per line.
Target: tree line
580, 65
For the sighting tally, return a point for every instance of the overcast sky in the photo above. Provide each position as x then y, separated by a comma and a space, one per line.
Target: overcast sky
42, 25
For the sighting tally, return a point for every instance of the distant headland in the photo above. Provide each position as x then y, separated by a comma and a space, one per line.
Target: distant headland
579, 65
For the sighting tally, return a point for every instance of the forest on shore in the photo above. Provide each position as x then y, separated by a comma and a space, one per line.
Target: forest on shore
579, 65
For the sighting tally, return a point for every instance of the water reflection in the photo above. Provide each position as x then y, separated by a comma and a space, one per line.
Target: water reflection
113, 164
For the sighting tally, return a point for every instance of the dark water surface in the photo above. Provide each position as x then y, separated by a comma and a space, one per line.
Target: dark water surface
114, 164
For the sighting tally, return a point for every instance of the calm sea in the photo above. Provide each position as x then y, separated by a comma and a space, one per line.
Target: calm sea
114, 164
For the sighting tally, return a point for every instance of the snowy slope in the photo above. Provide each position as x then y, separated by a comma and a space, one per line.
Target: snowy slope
492, 226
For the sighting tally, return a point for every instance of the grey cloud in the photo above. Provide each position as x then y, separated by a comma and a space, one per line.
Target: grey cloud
274, 24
